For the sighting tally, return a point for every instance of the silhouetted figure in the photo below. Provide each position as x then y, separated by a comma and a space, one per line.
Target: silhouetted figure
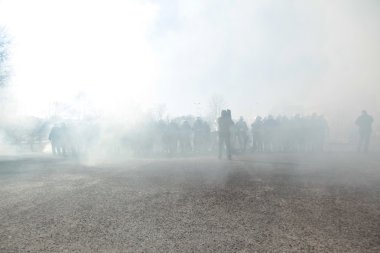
64, 139
206, 137
257, 135
364, 122
242, 134
55, 140
270, 126
185, 137
173, 129
299, 133
162, 136
198, 141
224, 129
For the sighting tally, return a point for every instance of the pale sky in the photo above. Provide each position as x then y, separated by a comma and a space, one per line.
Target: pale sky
64, 48
276, 56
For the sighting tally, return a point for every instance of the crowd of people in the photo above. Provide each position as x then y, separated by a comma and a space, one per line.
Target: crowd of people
184, 137
72, 141
190, 135
298, 133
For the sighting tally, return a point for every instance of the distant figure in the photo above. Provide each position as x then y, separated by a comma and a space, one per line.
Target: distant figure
55, 140
198, 138
257, 135
269, 135
224, 129
173, 137
64, 139
242, 134
206, 137
364, 122
185, 137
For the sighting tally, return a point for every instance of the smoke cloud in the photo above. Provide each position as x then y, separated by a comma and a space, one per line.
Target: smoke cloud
121, 59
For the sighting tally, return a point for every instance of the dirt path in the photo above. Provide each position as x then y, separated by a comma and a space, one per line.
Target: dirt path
275, 203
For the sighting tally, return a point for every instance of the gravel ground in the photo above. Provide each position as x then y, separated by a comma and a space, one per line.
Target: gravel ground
263, 203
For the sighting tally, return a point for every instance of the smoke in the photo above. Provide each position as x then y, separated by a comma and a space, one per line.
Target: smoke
279, 57
351, 82
119, 60
96, 48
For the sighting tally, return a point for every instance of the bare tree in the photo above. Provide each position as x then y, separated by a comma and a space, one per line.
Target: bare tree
4, 42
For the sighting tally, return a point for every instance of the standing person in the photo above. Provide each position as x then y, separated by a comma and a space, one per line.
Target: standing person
269, 138
257, 134
185, 137
364, 122
64, 139
206, 137
242, 134
173, 129
55, 140
224, 129
197, 141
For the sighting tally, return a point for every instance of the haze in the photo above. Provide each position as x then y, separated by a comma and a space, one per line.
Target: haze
189, 126
261, 57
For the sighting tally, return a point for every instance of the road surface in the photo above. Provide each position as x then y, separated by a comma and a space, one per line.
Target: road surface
268, 202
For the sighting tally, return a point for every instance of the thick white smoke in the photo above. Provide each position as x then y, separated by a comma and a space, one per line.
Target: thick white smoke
278, 57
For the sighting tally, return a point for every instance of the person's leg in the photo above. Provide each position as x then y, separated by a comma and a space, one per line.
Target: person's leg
63, 148
228, 146
360, 143
221, 141
245, 143
58, 148
366, 142
53, 148
240, 140
254, 147
259, 144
